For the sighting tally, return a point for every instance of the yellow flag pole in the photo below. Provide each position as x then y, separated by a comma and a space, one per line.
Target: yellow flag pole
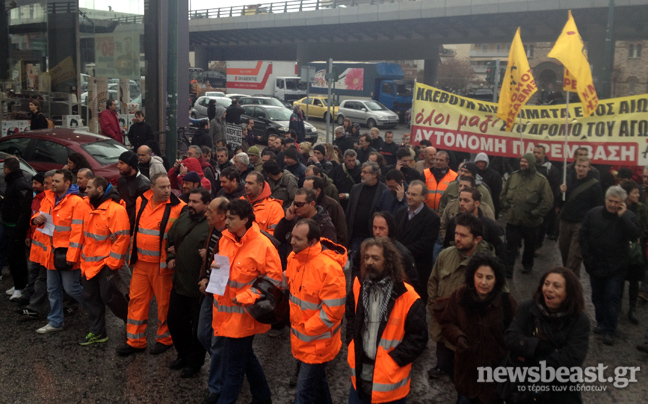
564, 195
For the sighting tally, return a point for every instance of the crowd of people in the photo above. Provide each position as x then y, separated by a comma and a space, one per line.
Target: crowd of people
361, 231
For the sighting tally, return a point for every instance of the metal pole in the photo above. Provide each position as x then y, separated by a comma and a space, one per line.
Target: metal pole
608, 58
566, 140
172, 82
307, 92
496, 80
330, 80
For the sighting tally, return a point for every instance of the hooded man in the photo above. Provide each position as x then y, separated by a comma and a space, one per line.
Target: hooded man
526, 199
255, 158
217, 127
491, 178
267, 211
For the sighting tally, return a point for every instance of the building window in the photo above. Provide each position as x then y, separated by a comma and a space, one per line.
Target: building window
498, 47
634, 50
529, 50
632, 85
484, 48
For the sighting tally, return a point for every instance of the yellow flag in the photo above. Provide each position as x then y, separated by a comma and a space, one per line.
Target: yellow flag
570, 50
518, 84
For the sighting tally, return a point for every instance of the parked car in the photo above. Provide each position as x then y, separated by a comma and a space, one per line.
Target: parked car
47, 149
286, 104
199, 110
272, 119
28, 172
318, 107
215, 94
367, 112
260, 100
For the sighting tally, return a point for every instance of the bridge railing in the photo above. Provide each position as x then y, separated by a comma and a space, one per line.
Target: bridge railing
290, 6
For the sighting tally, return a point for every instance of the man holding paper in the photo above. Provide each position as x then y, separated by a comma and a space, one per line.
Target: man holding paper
186, 237
251, 255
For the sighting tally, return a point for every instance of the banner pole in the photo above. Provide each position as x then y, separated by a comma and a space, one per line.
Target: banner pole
520, 130
564, 195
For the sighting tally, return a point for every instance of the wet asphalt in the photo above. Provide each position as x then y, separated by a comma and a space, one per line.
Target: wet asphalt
53, 368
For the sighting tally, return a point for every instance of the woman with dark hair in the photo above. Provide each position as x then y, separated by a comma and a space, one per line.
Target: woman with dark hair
38, 119
474, 319
297, 124
552, 328
75, 162
355, 133
636, 272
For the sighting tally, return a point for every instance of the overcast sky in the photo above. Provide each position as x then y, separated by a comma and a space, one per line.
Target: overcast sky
137, 6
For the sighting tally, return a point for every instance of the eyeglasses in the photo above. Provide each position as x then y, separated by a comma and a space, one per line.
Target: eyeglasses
299, 204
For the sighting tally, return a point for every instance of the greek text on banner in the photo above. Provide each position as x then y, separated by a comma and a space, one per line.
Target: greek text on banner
616, 133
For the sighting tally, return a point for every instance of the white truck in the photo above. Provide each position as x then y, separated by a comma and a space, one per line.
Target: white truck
265, 77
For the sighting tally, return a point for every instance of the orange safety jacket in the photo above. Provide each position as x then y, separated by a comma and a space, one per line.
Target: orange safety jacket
251, 257
152, 223
267, 211
106, 236
317, 296
436, 190
391, 382
39, 241
67, 216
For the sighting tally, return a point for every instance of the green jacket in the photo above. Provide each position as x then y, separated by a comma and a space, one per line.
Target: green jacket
187, 236
448, 274
526, 197
452, 193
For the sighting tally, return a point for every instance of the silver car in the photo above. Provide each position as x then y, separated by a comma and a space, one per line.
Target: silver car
199, 110
366, 112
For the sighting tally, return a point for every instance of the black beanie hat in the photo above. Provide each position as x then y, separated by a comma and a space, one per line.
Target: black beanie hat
129, 158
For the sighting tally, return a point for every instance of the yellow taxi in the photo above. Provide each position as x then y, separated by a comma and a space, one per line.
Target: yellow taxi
318, 107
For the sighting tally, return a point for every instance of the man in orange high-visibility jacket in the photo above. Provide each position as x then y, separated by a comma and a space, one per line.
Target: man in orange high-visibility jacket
267, 211
106, 236
386, 328
251, 256
155, 212
65, 209
317, 296
437, 179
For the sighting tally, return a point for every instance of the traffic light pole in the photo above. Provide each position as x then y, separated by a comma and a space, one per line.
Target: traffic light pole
496, 80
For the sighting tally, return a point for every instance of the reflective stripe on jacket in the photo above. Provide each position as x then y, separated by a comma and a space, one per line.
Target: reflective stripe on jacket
317, 297
100, 226
251, 257
436, 190
68, 226
147, 245
39, 241
391, 382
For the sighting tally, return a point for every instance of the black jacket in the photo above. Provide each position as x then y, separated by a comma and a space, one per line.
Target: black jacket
352, 206
363, 154
414, 341
131, 188
38, 121
16, 206
297, 124
233, 114
344, 143
202, 138
409, 173
493, 234
565, 342
338, 218
389, 150
342, 180
419, 236
604, 239
574, 208
238, 192
549, 170
139, 134
493, 180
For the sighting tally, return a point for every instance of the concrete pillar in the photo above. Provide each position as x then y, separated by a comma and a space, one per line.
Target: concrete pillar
4, 37
62, 40
155, 27
201, 55
183, 64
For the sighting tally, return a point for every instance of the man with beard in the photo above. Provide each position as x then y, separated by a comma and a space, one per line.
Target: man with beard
380, 297
231, 186
106, 238
346, 175
131, 184
437, 179
448, 274
470, 202
267, 210
190, 181
525, 200
185, 239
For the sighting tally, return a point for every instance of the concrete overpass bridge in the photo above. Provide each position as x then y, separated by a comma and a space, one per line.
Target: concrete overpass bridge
363, 30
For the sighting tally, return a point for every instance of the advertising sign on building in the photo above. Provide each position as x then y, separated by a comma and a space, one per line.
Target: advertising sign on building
117, 55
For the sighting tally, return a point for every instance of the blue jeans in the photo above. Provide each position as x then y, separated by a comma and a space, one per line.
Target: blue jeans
354, 398
606, 296
312, 387
57, 281
239, 360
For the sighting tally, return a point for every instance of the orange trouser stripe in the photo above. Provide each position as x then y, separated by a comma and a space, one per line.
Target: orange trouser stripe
145, 284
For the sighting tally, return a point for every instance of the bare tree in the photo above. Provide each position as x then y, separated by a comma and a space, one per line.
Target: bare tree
454, 74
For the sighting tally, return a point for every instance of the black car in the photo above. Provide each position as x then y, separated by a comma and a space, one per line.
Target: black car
272, 119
